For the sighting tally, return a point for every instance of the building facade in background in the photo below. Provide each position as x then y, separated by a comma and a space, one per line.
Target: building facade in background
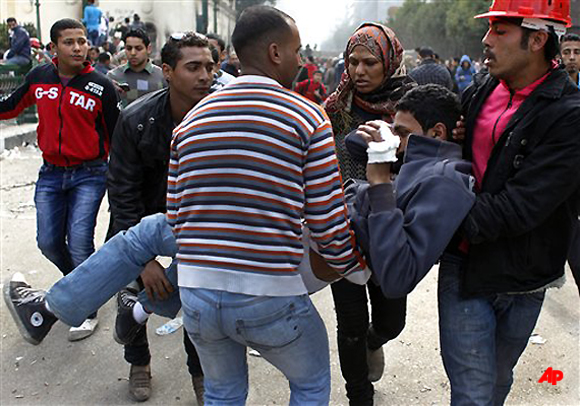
575, 13
161, 17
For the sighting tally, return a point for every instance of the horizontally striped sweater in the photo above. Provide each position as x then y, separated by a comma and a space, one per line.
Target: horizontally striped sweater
248, 164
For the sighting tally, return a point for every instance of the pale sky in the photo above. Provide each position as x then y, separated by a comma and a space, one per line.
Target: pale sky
315, 18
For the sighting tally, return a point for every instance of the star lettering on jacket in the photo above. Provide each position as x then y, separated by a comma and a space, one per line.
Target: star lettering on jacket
86, 103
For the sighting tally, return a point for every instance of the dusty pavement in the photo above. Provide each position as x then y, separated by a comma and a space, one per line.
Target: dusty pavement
93, 371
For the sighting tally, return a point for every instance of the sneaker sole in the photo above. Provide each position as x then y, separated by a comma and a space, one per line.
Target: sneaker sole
81, 335
117, 339
21, 328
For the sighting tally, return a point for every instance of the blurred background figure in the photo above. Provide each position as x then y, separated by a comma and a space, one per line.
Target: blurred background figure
464, 73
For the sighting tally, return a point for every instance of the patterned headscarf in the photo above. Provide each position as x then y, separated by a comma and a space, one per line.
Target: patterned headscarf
382, 42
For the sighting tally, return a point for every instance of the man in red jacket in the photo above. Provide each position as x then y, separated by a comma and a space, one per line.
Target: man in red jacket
77, 110
312, 89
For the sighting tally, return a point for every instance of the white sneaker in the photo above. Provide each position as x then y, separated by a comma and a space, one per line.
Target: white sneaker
84, 330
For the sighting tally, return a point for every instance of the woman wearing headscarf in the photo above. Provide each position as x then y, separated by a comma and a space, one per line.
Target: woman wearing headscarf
370, 87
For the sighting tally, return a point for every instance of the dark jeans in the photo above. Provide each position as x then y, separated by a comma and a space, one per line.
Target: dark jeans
482, 338
93, 37
137, 352
574, 255
67, 203
356, 334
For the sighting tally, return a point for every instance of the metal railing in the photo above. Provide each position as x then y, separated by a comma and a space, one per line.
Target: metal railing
12, 76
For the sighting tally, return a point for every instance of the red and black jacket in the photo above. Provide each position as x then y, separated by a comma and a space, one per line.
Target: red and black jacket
76, 121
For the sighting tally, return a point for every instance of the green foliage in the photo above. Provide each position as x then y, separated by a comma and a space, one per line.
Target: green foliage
4, 38
31, 28
4, 43
447, 26
242, 4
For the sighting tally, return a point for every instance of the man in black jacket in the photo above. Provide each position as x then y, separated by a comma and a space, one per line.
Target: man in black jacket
137, 186
522, 136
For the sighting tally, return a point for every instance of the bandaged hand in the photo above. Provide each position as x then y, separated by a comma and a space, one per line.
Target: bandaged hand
382, 150
382, 143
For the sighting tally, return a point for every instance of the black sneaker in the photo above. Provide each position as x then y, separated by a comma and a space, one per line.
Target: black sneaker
28, 309
126, 327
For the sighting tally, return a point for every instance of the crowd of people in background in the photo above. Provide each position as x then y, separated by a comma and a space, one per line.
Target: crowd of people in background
318, 78
237, 205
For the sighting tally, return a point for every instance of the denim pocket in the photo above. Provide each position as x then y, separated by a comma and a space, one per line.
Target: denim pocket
191, 323
449, 279
45, 169
100, 169
277, 329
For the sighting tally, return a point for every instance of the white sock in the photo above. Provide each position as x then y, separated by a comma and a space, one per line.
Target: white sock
139, 313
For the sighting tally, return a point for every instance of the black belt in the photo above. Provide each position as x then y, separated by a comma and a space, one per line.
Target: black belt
86, 164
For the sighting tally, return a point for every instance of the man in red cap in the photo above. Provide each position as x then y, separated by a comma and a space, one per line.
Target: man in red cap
521, 133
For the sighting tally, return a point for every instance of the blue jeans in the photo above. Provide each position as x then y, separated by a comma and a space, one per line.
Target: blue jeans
115, 265
287, 331
18, 60
482, 338
67, 203
93, 37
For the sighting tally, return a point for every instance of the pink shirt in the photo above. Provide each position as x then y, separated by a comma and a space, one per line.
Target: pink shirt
493, 118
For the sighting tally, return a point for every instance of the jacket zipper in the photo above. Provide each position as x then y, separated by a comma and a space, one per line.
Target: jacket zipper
60, 116
60, 122
509, 105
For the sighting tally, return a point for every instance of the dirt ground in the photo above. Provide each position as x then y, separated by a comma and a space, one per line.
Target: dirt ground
93, 372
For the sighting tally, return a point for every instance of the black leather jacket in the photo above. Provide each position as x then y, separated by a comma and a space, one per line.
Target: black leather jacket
137, 180
521, 224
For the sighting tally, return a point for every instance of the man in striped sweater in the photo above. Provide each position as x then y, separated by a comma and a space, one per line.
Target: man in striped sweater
249, 164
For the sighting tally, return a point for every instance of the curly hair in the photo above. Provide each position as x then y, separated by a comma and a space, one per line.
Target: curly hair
431, 104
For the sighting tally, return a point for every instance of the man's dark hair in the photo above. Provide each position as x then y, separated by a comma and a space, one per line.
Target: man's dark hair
570, 37
220, 41
104, 57
91, 1
171, 51
138, 34
259, 26
64, 24
426, 53
310, 59
316, 71
431, 104
127, 20
11, 20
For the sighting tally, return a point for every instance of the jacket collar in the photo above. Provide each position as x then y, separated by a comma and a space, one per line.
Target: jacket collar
148, 67
421, 147
86, 69
553, 87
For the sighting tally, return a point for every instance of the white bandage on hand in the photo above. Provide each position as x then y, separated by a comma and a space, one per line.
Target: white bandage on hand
386, 150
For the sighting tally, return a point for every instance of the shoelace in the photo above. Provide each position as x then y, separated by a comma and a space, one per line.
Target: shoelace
29, 295
128, 300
